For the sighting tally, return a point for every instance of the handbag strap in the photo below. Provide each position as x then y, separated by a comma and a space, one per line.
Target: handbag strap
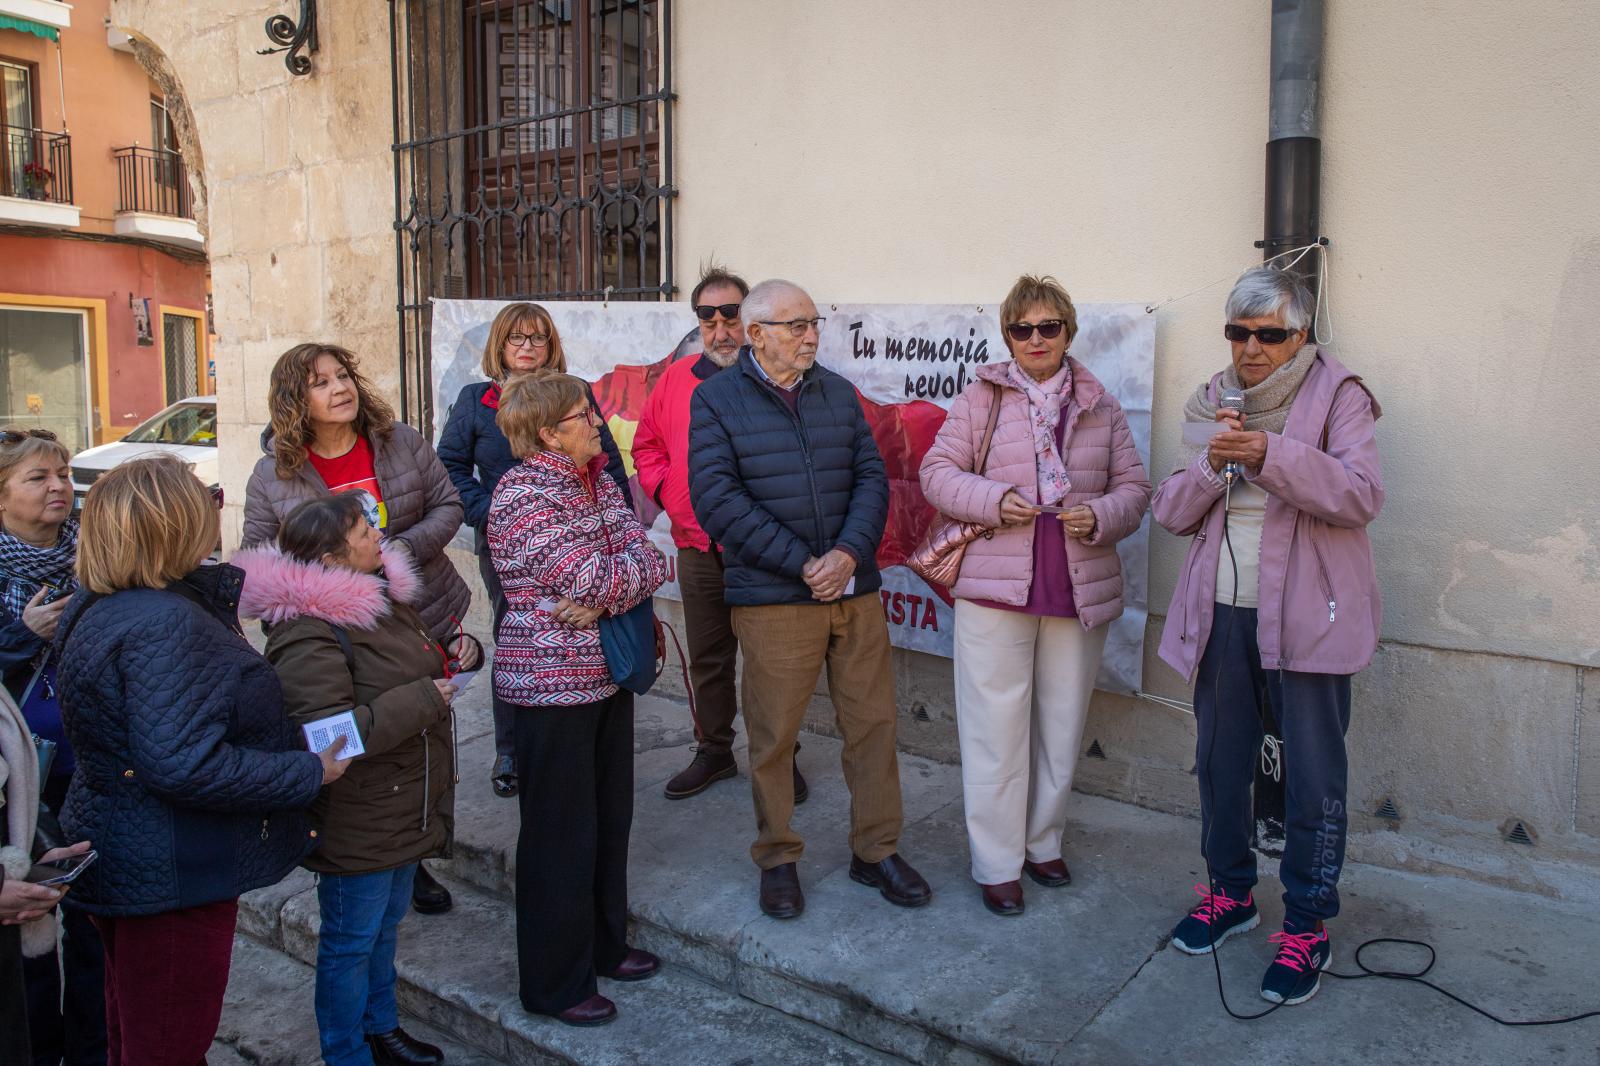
982, 462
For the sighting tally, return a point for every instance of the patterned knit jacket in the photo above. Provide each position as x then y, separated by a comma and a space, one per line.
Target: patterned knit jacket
555, 531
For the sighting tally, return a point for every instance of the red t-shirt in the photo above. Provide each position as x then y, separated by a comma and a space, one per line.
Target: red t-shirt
351, 471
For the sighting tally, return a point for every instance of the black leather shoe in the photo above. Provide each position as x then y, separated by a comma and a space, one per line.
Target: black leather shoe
1052, 874
596, 1010
503, 778
1004, 899
402, 1049
780, 892
707, 769
894, 878
801, 790
636, 965
427, 895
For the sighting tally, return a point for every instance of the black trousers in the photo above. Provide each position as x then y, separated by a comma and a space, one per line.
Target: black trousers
67, 1020
13, 998
504, 742
575, 777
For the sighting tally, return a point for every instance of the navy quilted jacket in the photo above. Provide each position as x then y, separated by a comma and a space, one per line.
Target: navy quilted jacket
775, 487
477, 455
191, 783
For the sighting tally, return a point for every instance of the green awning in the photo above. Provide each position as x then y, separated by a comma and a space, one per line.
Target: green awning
38, 29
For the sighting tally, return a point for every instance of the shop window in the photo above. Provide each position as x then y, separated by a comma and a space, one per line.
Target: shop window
44, 380
180, 355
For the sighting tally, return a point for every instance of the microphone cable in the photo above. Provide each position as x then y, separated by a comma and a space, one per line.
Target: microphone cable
1418, 977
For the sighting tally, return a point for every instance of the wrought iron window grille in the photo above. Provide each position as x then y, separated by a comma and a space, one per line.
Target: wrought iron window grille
532, 143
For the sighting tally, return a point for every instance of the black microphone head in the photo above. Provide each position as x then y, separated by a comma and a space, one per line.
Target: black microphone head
1232, 398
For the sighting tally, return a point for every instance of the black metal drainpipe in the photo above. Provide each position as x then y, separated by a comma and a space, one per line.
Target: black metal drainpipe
1294, 128
1292, 220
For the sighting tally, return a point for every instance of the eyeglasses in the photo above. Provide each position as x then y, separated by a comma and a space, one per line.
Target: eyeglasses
537, 340
587, 414
1266, 334
15, 436
707, 312
1049, 329
798, 326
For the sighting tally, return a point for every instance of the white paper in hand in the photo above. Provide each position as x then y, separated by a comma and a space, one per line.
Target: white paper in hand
1199, 434
324, 731
462, 679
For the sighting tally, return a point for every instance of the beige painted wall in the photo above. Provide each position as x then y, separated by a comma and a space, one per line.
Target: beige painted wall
1119, 146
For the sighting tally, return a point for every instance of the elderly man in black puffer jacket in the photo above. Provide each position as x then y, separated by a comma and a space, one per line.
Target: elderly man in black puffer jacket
785, 476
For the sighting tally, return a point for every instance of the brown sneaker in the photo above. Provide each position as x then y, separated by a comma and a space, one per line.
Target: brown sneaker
707, 769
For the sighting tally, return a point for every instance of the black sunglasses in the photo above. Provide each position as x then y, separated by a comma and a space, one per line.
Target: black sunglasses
1049, 329
709, 311
1266, 334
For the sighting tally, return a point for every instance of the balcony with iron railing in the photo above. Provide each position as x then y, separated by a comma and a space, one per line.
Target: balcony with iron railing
153, 197
36, 177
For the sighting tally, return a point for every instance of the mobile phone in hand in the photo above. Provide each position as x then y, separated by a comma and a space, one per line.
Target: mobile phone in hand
52, 593
62, 871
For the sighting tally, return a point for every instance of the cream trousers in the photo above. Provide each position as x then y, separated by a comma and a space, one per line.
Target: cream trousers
1022, 694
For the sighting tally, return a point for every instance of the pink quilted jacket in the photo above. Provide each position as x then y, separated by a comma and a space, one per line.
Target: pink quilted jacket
1101, 460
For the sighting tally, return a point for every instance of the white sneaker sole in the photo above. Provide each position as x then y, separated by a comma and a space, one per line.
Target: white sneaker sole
1206, 949
1273, 997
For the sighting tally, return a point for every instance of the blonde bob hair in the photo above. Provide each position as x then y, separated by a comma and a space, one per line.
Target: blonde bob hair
534, 402
18, 445
1045, 290
146, 523
519, 317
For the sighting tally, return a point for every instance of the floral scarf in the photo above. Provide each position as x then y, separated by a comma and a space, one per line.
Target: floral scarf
1045, 400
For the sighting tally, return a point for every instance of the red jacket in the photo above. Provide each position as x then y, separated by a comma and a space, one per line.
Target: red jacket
661, 447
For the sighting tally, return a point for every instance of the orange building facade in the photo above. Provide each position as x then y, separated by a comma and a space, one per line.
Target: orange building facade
103, 277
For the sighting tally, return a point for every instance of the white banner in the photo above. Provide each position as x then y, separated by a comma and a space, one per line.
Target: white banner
908, 361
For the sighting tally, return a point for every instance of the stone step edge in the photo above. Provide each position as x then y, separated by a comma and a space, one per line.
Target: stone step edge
921, 1045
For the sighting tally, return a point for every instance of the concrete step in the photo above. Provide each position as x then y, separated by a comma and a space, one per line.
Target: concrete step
458, 973
267, 1017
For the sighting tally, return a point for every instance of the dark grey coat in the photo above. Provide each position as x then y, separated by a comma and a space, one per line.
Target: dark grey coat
424, 513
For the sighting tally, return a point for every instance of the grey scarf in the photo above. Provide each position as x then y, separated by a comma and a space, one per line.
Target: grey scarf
1266, 406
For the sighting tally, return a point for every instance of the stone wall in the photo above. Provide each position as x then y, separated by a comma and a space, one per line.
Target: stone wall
295, 192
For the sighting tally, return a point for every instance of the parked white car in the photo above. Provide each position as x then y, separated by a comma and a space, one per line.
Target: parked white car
187, 429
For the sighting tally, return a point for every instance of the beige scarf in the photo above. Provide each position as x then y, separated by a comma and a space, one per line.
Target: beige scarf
19, 794
1266, 406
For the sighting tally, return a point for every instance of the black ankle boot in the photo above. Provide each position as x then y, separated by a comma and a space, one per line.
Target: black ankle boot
399, 1048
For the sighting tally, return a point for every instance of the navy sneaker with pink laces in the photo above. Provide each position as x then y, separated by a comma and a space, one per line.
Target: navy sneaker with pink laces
1214, 919
1296, 974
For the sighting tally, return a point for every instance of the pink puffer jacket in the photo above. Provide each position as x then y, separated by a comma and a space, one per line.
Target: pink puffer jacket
1101, 461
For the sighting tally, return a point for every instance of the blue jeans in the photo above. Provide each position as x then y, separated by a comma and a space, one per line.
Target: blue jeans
355, 960
1313, 712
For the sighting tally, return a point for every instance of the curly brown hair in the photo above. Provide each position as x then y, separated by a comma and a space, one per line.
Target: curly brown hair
291, 414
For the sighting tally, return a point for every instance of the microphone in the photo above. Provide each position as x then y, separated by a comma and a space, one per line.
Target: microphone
1234, 398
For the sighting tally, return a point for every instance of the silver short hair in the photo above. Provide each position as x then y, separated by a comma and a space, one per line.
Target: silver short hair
1264, 290
762, 300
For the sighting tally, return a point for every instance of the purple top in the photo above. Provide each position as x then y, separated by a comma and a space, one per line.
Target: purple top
1050, 595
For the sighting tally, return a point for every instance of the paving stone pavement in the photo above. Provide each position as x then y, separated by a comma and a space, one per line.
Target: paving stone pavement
1083, 976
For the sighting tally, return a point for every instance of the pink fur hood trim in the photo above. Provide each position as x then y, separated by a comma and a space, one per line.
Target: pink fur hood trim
278, 588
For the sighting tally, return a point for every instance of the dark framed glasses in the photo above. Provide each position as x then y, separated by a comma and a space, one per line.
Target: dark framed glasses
17, 436
707, 312
1049, 329
517, 340
1266, 334
587, 414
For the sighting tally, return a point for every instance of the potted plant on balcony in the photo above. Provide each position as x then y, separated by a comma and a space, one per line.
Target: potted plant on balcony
36, 179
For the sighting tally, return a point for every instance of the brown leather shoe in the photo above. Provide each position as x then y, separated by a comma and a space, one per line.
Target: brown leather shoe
894, 878
780, 892
1052, 874
1004, 899
596, 1010
707, 769
636, 965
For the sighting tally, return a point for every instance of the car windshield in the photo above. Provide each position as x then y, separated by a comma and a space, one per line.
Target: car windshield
185, 423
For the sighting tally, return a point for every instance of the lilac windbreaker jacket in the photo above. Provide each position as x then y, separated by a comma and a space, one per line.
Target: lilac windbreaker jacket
1320, 609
